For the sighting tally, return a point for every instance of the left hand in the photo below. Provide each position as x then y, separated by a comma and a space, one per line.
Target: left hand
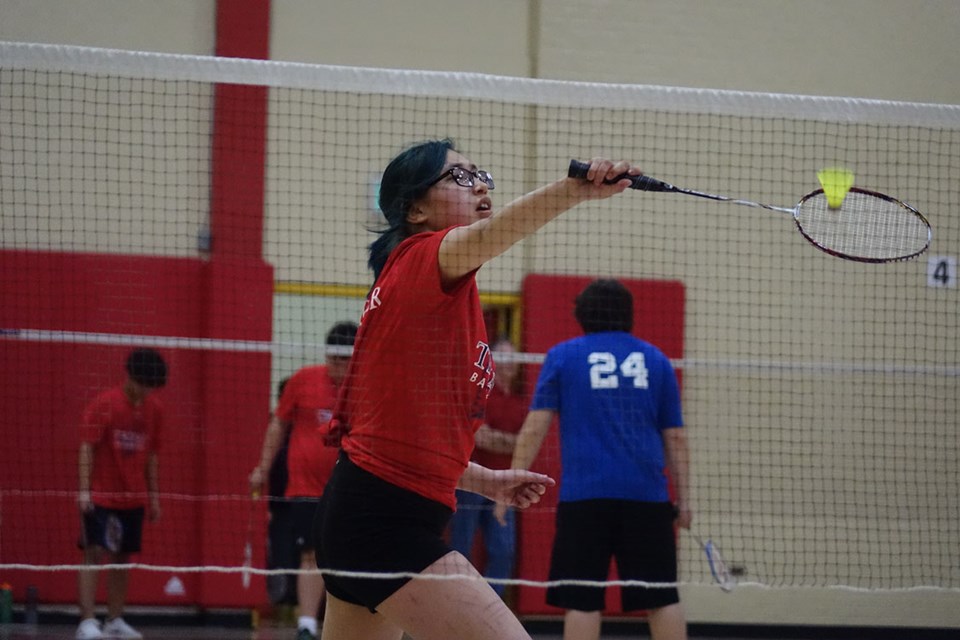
517, 487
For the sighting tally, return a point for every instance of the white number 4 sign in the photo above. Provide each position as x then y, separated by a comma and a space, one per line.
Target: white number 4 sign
942, 272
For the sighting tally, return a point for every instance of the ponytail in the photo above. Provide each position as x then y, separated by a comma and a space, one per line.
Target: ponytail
382, 247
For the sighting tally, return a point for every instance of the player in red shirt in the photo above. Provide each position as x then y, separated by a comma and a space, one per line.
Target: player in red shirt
415, 393
495, 440
120, 439
305, 409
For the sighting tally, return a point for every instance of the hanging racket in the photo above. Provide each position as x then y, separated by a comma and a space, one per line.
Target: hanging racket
718, 568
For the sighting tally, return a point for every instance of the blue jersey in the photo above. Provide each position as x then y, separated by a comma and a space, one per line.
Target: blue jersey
615, 394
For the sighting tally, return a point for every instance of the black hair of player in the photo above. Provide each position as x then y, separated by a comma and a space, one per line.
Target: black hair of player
147, 368
604, 305
281, 386
342, 334
405, 180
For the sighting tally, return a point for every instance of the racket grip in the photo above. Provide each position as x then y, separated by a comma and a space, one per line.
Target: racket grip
641, 183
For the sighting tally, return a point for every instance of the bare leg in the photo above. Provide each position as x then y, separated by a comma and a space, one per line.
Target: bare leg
87, 583
668, 623
467, 609
117, 580
345, 621
581, 625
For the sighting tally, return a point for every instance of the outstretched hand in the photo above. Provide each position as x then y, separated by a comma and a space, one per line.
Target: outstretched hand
596, 186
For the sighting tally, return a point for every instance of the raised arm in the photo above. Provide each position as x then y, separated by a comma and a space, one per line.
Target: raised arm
467, 248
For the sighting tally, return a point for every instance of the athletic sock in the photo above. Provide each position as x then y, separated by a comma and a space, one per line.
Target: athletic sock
307, 622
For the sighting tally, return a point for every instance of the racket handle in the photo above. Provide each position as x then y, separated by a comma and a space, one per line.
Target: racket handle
641, 183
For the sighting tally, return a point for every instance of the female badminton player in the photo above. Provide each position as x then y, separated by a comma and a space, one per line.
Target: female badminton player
415, 393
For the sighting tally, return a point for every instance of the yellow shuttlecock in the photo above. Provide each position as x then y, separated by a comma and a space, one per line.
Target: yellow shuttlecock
836, 182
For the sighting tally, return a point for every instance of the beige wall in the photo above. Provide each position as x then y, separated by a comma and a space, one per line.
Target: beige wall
886, 49
488, 37
171, 26
779, 443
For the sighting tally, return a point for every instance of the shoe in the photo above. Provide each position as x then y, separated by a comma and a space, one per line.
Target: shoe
89, 629
118, 628
304, 634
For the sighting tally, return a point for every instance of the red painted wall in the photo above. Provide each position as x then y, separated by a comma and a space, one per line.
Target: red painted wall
216, 407
217, 401
547, 303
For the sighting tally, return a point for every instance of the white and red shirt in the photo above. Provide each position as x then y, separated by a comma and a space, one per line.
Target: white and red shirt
420, 375
123, 436
307, 403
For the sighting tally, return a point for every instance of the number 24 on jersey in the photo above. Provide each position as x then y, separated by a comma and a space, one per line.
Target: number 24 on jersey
604, 368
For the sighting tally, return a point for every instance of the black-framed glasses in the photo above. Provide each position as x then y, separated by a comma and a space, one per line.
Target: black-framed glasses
466, 178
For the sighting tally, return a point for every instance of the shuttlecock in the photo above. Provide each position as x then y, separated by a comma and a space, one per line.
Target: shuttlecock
836, 182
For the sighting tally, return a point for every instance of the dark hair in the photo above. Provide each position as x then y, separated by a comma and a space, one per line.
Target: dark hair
605, 305
342, 334
404, 181
147, 368
281, 386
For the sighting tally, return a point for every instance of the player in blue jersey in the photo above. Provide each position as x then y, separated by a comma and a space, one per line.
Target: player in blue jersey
620, 430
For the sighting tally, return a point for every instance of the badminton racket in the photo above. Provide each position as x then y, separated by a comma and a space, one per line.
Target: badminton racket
248, 547
866, 227
718, 568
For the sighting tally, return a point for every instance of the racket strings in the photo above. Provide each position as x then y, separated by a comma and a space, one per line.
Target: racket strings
866, 227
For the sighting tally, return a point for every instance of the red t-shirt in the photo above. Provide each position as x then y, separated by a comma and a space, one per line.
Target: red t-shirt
123, 436
420, 374
504, 413
307, 402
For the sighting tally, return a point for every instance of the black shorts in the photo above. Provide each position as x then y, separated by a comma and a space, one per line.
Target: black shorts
303, 511
116, 530
371, 525
640, 535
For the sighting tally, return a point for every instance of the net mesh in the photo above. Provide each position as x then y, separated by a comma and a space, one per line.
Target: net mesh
220, 211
